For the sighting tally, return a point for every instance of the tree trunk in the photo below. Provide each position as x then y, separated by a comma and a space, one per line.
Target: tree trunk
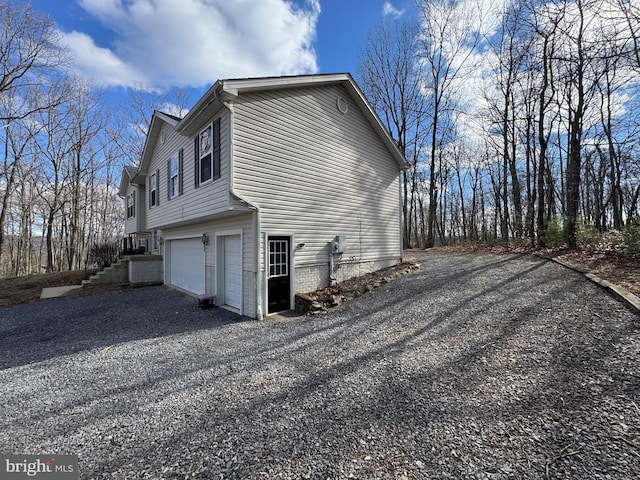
5, 205
433, 192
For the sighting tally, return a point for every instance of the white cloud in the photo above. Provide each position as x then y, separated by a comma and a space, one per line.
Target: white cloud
389, 9
195, 42
101, 64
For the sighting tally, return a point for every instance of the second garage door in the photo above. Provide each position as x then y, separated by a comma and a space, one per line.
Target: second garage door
187, 265
233, 271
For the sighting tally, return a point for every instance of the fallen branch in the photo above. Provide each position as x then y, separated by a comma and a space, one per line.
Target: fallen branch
561, 455
629, 441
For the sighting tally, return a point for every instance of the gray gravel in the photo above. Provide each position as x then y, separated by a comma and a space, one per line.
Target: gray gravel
475, 367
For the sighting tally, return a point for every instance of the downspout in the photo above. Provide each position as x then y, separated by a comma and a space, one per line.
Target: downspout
332, 276
256, 213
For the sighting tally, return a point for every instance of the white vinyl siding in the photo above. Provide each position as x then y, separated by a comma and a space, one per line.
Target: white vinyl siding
131, 222
194, 203
317, 173
141, 209
136, 224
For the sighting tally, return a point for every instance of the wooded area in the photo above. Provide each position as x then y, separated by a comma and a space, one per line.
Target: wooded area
520, 120
63, 149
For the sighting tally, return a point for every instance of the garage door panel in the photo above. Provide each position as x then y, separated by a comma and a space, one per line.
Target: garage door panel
187, 265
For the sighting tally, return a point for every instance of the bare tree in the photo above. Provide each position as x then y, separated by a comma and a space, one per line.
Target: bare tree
55, 148
85, 122
512, 49
18, 135
630, 12
30, 54
545, 25
133, 118
449, 35
390, 79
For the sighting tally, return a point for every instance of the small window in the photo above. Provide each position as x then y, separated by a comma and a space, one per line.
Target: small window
153, 189
207, 153
278, 255
174, 176
131, 205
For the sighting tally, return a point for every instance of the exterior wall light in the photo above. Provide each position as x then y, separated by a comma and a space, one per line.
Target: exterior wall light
205, 239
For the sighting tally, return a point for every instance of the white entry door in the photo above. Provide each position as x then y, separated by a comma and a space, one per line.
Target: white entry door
186, 265
232, 271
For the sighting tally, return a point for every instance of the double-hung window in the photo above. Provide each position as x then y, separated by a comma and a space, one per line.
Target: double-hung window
174, 175
205, 154
153, 189
131, 204
207, 148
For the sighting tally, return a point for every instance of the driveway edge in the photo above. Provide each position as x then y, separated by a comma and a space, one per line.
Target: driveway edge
633, 301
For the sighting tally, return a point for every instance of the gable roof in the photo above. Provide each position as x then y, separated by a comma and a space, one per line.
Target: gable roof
224, 90
157, 119
128, 172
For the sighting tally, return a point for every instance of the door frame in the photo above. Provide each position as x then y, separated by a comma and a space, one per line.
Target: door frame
219, 276
292, 270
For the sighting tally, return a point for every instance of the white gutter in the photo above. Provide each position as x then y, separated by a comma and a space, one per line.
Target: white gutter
256, 214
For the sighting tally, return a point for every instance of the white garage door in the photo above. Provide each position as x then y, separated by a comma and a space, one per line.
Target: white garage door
187, 264
233, 271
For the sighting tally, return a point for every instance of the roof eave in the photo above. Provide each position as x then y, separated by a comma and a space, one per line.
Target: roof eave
236, 86
225, 90
209, 102
152, 136
125, 180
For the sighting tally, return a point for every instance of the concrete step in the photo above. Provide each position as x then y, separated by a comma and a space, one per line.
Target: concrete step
115, 273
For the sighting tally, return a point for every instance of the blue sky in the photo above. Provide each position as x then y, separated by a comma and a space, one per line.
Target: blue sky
124, 44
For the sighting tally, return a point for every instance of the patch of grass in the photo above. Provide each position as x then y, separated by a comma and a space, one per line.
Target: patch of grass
15, 290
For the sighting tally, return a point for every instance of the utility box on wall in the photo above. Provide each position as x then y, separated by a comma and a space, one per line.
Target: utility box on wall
339, 244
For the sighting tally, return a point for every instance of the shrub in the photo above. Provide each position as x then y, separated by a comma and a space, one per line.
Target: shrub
631, 235
613, 240
104, 254
553, 235
588, 236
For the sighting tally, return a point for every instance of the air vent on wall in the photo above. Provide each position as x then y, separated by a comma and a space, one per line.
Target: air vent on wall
342, 105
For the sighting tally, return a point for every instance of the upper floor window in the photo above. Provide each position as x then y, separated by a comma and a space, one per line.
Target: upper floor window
205, 154
131, 204
153, 189
174, 175
207, 149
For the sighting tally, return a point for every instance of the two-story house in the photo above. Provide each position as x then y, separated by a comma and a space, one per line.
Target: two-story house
268, 187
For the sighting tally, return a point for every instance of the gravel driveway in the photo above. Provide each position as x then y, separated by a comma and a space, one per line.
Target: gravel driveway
474, 367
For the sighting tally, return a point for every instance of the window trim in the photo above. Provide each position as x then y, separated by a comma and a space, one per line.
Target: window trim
213, 153
131, 204
154, 189
174, 177
208, 153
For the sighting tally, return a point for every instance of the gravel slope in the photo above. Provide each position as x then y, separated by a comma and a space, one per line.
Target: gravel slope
475, 367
